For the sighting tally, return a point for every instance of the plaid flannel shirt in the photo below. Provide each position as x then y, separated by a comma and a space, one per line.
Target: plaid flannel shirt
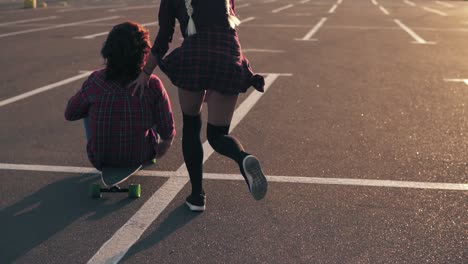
123, 128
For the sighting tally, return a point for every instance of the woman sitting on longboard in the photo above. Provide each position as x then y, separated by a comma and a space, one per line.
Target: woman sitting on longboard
122, 130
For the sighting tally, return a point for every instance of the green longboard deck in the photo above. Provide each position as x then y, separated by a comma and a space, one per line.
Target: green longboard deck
112, 176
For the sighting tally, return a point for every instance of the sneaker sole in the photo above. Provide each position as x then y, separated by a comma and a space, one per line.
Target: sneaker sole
195, 208
257, 181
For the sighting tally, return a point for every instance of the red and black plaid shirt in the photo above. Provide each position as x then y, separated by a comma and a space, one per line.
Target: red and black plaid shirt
122, 126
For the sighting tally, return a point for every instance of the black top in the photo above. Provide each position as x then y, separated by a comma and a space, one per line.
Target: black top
206, 14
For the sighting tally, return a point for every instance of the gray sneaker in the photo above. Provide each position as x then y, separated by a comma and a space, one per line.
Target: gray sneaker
254, 176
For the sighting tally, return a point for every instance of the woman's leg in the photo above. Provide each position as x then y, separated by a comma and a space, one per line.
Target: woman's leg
220, 112
191, 104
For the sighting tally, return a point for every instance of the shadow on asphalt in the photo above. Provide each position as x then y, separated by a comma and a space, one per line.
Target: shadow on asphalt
178, 218
38, 217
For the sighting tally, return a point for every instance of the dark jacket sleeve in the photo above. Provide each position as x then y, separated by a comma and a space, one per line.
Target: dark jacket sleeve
162, 112
79, 104
167, 17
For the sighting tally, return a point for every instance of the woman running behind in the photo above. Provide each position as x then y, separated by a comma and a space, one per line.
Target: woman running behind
208, 66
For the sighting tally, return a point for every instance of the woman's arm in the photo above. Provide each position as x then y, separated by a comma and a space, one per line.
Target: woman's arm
78, 105
167, 16
142, 81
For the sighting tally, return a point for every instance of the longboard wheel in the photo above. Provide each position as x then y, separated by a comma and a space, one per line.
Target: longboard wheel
134, 191
95, 190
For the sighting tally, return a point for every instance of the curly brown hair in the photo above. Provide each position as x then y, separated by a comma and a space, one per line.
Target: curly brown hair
125, 51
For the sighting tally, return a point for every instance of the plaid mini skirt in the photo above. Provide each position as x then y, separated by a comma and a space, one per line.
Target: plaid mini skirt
211, 59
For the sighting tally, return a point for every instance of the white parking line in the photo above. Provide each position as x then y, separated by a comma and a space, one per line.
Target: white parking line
89, 8
277, 26
242, 6
300, 14
385, 11
435, 11
238, 177
304, 1
117, 246
262, 50
149, 7
268, 1
418, 39
100, 34
339, 1
44, 88
57, 26
332, 9
375, 2
461, 29
282, 8
28, 20
247, 19
409, 3
444, 4
457, 80
313, 31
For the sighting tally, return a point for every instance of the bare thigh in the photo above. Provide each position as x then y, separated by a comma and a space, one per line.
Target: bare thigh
191, 102
221, 108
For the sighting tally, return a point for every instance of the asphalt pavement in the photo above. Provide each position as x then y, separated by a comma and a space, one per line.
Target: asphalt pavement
362, 132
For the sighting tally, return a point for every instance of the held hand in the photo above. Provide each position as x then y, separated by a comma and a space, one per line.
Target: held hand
141, 82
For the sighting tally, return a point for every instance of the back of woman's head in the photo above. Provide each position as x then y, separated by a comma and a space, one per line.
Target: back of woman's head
125, 51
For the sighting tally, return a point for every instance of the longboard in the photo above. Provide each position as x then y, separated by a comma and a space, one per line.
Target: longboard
111, 177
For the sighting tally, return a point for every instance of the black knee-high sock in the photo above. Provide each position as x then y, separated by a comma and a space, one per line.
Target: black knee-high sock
193, 151
225, 144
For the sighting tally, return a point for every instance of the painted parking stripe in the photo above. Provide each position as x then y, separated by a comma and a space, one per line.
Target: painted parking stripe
409, 3
300, 14
332, 9
385, 11
304, 1
100, 34
444, 4
457, 80
262, 50
277, 26
243, 5
282, 8
271, 178
418, 39
118, 245
89, 8
132, 8
44, 88
247, 19
435, 11
463, 30
57, 26
375, 2
28, 20
314, 30
268, 1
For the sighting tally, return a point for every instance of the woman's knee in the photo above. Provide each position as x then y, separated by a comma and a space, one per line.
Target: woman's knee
213, 133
